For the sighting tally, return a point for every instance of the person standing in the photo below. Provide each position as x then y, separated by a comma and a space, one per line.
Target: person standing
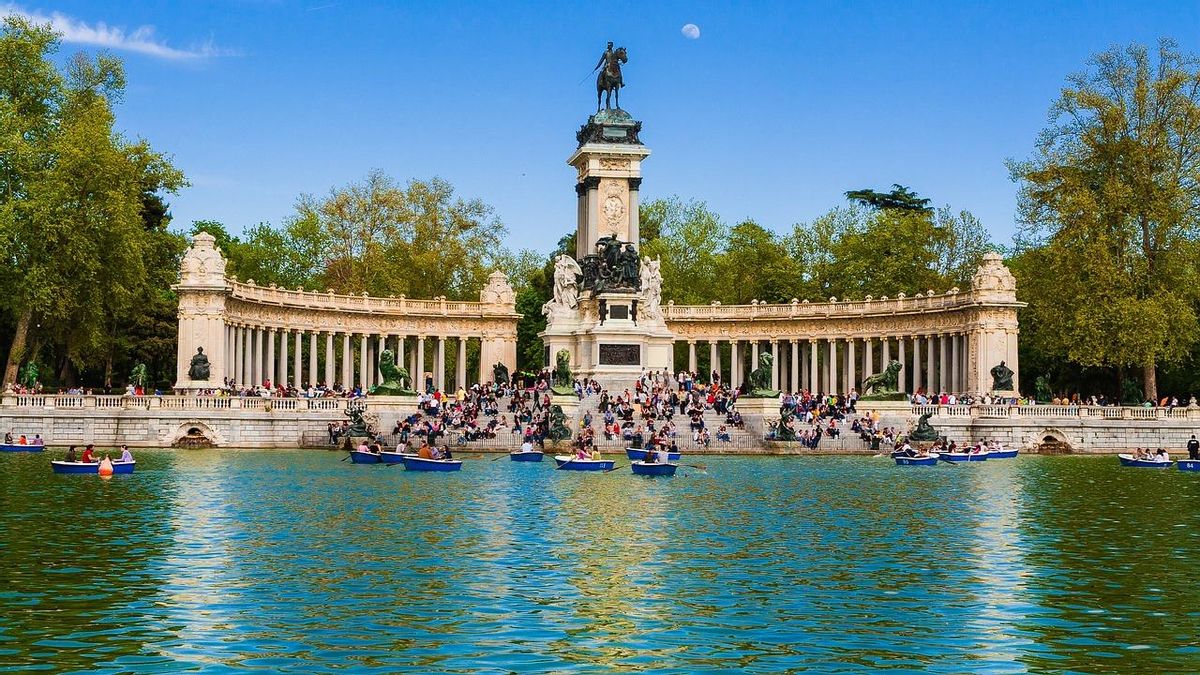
1193, 448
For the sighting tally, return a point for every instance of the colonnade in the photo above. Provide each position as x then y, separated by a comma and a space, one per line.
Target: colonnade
257, 355
933, 363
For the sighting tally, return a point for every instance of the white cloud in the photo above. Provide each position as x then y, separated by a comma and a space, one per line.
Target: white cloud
141, 40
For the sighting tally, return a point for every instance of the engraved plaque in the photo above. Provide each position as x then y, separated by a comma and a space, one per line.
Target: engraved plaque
618, 311
620, 355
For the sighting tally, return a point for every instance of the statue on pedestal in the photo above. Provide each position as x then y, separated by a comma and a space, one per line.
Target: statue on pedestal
499, 373
562, 373
609, 81
566, 286
558, 429
760, 378
199, 366
1002, 378
396, 380
615, 266
924, 432
651, 278
884, 386
356, 410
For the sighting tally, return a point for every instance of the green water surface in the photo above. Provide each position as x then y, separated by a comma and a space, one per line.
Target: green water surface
224, 561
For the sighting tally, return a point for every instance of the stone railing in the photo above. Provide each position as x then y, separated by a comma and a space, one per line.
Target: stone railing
120, 402
994, 411
952, 299
313, 300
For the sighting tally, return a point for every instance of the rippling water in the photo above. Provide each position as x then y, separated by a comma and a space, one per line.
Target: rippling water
230, 560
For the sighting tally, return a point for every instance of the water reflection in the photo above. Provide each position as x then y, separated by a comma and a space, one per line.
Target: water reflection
297, 561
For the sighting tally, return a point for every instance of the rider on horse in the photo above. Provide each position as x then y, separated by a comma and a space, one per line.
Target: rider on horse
609, 81
612, 65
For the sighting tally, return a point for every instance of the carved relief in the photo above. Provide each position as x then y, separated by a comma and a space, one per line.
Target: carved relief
613, 163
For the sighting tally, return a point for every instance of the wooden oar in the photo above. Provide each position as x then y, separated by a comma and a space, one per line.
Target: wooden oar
702, 467
615, 467
500, 457
346, 458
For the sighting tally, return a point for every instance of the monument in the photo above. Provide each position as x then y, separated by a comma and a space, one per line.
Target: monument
202, 296
606, 313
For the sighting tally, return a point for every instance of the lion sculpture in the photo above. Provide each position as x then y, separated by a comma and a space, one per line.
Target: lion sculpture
760, 378
885, 385
396, 380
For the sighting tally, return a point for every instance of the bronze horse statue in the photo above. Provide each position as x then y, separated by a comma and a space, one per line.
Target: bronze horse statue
609, 82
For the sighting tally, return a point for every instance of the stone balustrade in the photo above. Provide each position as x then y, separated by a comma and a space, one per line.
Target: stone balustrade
1000, 411
123, 402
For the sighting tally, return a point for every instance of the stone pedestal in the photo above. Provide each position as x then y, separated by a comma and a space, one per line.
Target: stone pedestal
765, 408
202, 292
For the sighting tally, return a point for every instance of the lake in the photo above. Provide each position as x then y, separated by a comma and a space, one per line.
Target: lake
223, 560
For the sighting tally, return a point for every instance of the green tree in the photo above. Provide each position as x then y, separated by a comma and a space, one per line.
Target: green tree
1111, 195
72, 197
900, 198
755, 265
689, 240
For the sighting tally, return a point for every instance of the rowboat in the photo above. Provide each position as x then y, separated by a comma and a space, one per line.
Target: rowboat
917, 461
90, 467
568, 463
526, 456
963, 456
1128, 460
18, 447
419, 464
640, 454
395, 457
1002, 454
360, 457
653, 469
1189, 464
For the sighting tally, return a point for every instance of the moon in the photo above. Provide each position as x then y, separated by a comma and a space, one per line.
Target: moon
690, 31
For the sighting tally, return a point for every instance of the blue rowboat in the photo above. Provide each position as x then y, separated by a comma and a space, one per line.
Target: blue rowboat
418, 464
17, 447
359, 457
640, 454
395, 457
963, 456
653, 469
1189, 464
917, 461
568, 463
1002, 454
90, 467
1128, 460
530, 456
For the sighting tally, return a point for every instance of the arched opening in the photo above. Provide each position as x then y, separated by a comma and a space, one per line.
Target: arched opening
1053, 443
195, 436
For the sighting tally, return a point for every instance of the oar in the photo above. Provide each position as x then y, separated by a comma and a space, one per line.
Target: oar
702, 467
500, 457
946, 461
615, 467
346, 458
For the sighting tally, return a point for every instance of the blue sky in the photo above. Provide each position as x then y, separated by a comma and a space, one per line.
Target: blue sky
772, 113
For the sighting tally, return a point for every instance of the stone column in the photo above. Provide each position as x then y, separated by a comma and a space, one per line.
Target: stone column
904, 372
930, 365
400, 351
328, 359
753, 355
733, 364
257, 369
269, 371
347, 362
363, 356
381, 347
955, 383
851, 381
460, 368
227, 367
439, 366
237, 355
714, 360
312, 358
795, 366
916, 368
887, 354
833, 364
418, 372
943, 363
813, 374
298, 358
869, 359
775, 364
691, 356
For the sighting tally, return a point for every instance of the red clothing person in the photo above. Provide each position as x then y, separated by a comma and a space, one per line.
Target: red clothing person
87, 455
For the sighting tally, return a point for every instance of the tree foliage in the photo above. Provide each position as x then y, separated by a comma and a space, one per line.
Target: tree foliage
900, 198
1109, 205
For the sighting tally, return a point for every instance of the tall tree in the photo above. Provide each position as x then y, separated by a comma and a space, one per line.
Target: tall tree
900, 198
690, 239
1113, 195
72, 197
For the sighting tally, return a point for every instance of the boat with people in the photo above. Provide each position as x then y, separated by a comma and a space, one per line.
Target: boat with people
414, 463
364, 457
20, 447
119, 467
963, 456
653, 468
640, 454
526, 455
1188, 465
916, 460
1002, 454
387, 457
1145, 461
569, 463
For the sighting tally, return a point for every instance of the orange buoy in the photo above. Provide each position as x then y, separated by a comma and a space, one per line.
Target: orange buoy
106, 467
